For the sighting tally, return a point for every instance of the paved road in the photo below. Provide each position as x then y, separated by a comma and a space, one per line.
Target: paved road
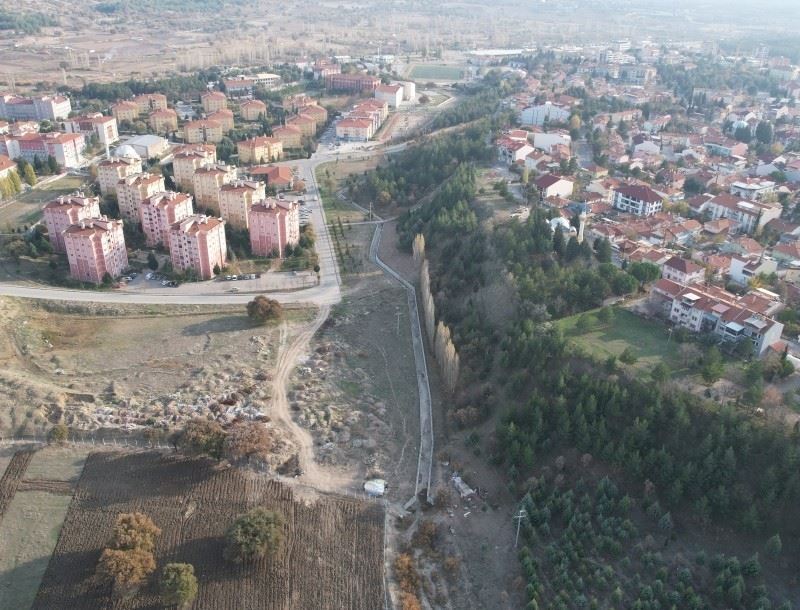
425, 459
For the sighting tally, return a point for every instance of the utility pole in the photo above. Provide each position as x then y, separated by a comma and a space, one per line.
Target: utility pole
522, 514
398, 314
370, 210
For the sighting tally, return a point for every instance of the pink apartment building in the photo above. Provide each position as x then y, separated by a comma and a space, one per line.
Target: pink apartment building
159, 212
236, 198
208, 181
198, 242
134, 189
188, 159
95, 246
274, 224
111, 171
65, 211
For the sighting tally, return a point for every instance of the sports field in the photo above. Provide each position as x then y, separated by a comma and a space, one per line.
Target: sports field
436, 72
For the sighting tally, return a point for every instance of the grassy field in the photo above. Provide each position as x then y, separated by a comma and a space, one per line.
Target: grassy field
647, 340
30, 526
436, 72
28, 535
27, 208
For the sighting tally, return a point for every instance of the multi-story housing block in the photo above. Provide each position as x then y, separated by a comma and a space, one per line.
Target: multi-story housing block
213, 101
198, 243
163, 121
637, 199
188, 159
274, 224
133, 189
40, 108
95, 246
65, 211
202, 131
159, 212
236, 199
208, 181
104, 127
262, 149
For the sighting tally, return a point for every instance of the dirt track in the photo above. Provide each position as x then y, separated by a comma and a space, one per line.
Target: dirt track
288, 355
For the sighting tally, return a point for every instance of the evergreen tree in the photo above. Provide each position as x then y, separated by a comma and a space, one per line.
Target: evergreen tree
29, 174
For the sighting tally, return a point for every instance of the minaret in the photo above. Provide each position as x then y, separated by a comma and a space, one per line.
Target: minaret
581, 226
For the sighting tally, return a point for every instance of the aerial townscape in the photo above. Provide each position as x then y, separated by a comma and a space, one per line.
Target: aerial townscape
400, 305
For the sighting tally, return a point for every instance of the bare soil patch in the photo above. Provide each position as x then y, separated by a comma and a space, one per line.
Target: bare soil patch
331, 557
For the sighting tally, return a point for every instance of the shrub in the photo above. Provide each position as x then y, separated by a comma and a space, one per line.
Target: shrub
125, 569
261, 309
134, 531
246, 441
253, 535
202, 437
178, 584
58, 433
406, 573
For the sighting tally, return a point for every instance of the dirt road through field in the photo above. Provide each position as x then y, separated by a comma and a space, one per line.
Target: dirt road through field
314, 475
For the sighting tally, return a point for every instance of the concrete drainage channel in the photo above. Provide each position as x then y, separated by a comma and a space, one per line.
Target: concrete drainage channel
425, 460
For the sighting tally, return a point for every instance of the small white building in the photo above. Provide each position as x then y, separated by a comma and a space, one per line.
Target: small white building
546, 141
391, 94
409, 91
538, 114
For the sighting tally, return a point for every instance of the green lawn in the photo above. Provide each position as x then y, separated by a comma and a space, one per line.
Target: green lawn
436, 72
649, 341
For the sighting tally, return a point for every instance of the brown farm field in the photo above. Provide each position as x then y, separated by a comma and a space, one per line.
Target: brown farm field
332, 556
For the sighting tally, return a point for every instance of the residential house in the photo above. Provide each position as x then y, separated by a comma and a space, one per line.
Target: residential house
551, 185
65, 211
730, 318
746, 216
305, 123
512, 151
682, 271
197, 243
279, 177
548, 112
358, 130
6, 167
637, 199
743, 270
95, 247
752, 190
66, 148
546, 141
